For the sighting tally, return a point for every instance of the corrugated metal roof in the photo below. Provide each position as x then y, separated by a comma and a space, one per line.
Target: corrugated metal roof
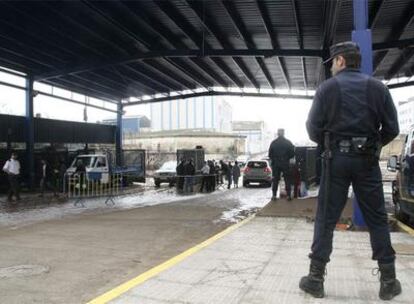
95, 47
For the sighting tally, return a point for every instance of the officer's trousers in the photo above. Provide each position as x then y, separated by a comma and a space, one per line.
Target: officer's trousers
364, 174
276, 172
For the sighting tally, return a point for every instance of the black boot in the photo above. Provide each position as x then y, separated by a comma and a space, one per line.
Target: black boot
390, 286
313, 283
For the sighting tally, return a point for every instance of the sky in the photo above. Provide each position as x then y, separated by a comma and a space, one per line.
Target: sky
290, 114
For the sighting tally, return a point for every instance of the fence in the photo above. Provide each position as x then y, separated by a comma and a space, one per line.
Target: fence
90, 185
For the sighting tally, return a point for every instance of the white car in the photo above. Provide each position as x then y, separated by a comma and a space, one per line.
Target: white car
166, 174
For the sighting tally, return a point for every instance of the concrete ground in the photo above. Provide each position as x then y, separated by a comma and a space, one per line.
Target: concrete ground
67, 254
263, 261
61, 253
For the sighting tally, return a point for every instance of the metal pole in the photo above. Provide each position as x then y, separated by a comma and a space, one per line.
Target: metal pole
118, 139
362, 35
30, 131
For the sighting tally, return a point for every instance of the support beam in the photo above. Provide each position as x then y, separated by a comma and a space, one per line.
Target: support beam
396, 33
375, 13
119, 133
76, 102
300, 41
266, 53
219, 93
30, 166
399, 63
264, 14
247, 38
2, 83
330, 16
198, 9
400, 85
99, 56
142, 40
191, 33
362, 36
56, 45
400, 44
410, 71
170, 11
166, 35
11, 72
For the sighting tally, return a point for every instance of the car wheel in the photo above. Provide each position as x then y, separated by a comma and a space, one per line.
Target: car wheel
268, 185
157, 183
245, 184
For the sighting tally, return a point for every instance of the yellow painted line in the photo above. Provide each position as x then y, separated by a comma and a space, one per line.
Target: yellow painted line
121, 289
406, 228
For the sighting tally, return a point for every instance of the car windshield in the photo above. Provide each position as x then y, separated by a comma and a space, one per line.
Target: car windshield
257, 165
86, 160
169, 166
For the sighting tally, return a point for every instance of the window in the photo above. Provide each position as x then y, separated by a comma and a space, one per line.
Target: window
257, 164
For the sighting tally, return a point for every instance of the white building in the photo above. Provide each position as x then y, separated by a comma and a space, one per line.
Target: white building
406, 115
208, 112
258, 138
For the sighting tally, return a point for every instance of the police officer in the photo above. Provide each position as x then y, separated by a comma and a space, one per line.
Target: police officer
360, 116
281, 150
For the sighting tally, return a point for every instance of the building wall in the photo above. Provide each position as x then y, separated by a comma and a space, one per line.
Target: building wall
226, 147
258, 138
208, 112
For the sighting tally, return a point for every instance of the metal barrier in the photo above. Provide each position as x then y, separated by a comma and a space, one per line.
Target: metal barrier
89, 185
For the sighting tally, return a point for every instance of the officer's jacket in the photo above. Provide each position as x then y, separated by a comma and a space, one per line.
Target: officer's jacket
353, 104
280, 151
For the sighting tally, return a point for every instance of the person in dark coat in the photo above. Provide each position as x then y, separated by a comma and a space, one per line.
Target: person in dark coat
180, 175
47, 178
357, 114
236, 174
189, 172
229, 175
80, 172
213, 175
61, 175
281, 150
219, 175
223, 171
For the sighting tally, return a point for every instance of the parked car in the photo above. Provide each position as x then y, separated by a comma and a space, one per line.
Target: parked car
257, 171
403, 185
166, 174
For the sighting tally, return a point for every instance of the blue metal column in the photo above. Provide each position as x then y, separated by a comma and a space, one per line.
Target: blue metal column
362, 35
118, 136
30, 132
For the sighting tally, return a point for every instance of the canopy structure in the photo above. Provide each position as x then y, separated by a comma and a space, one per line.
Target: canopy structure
134, 52
115, 50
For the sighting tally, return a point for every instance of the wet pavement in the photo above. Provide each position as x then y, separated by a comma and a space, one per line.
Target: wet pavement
238, 203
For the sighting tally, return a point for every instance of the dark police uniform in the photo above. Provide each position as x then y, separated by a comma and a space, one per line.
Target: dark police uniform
360, 115
280, 151
352, 117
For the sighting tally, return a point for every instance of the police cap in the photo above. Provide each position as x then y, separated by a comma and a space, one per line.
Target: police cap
347, 47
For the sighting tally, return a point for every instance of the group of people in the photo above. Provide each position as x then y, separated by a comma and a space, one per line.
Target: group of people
212, 174
51, 177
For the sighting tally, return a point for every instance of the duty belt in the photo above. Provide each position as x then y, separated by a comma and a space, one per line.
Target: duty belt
357, 145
